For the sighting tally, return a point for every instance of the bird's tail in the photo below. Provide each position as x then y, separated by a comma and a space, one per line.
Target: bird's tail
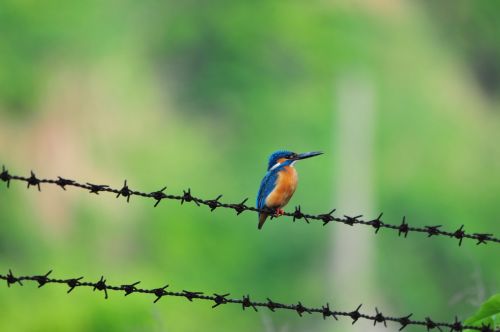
262, 219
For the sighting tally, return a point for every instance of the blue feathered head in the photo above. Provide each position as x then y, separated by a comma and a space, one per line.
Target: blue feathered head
281, 156
277, 157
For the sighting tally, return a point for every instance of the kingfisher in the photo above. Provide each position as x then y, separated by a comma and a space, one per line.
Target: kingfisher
280, 182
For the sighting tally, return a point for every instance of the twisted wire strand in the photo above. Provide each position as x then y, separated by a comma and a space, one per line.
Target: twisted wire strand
244, 301
402, 229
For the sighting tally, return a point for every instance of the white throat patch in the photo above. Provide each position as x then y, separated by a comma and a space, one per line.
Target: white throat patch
275, 166
278, 165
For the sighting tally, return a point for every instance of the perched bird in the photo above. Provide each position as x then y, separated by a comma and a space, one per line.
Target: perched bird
280, 182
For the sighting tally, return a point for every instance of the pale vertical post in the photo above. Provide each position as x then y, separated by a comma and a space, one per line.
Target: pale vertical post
351, 261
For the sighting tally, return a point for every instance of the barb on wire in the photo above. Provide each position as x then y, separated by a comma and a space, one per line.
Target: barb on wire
402, 229
245, 301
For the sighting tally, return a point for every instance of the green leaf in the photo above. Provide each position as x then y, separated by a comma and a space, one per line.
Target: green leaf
488, 314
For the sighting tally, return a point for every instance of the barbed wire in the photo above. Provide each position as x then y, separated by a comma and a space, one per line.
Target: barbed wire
402, 229
244, 301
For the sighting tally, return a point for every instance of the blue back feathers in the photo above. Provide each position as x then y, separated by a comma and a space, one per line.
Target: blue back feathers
266, 186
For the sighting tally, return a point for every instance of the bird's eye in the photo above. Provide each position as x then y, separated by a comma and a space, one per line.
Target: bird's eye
293, 155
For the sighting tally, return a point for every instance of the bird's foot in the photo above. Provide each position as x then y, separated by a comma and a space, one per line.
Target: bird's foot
279, 212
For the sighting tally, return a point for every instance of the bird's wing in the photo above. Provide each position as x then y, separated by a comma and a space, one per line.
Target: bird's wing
266, 186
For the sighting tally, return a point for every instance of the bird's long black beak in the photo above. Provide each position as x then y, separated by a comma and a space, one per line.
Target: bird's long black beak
308, 155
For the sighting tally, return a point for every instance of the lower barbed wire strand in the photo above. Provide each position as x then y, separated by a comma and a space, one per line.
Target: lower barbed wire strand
245, 301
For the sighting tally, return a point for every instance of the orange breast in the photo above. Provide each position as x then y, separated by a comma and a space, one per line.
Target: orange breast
285, 187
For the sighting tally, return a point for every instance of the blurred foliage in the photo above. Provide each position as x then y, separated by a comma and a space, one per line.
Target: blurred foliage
472, 27
488, 314
197, 94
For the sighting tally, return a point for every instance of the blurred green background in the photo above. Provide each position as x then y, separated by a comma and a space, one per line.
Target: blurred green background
402, 96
